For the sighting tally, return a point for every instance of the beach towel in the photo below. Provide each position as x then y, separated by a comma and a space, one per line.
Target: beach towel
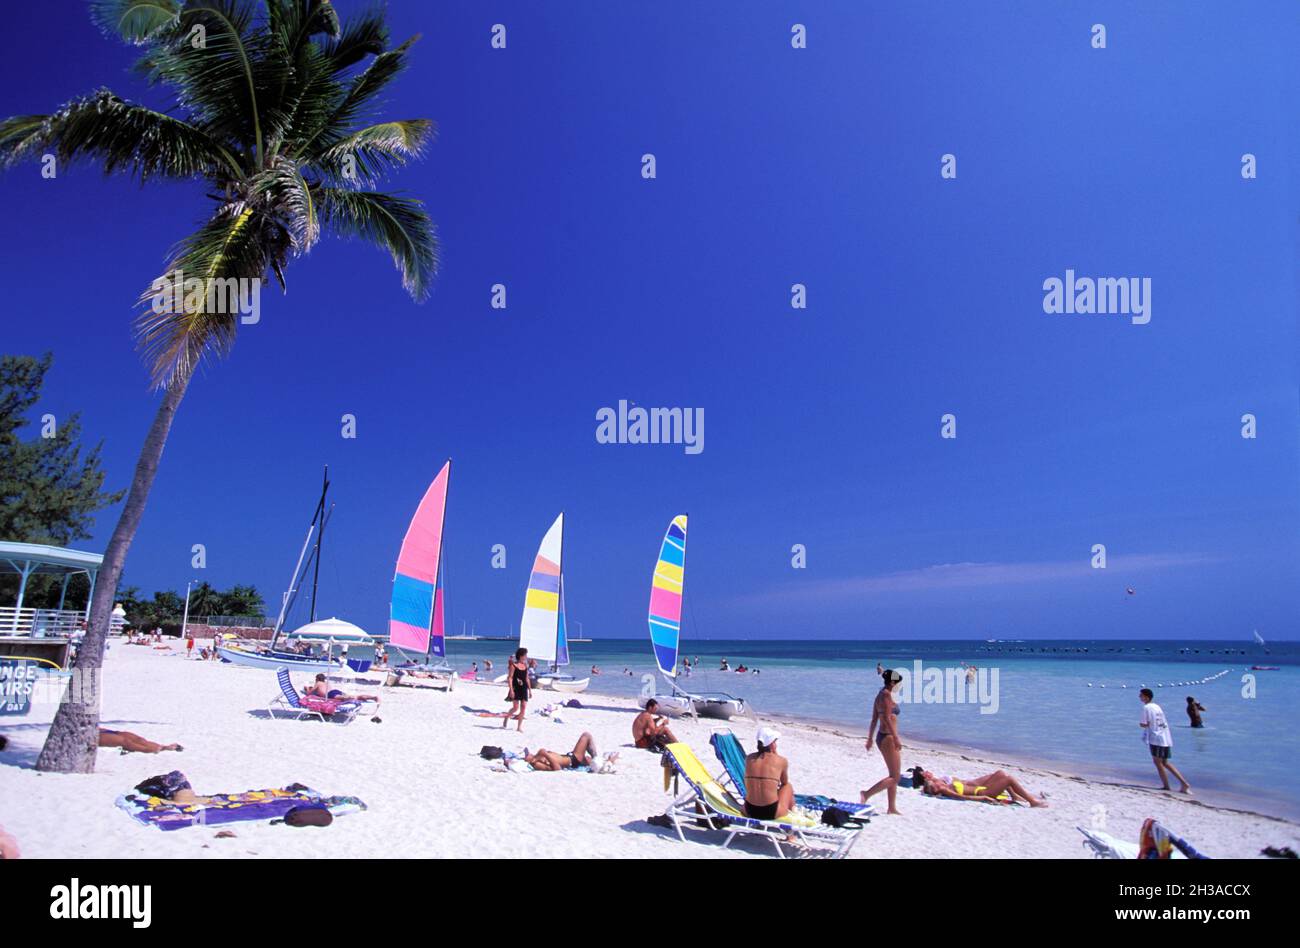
325, 706
1156, 842
252, 805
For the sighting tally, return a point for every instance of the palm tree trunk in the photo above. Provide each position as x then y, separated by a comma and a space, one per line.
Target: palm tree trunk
71, 744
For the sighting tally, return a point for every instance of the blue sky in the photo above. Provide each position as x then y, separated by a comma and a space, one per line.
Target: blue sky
775, 166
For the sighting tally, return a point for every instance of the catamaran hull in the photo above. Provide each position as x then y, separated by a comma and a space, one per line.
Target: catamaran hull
237, 656
723, 709
675, 706
569, 685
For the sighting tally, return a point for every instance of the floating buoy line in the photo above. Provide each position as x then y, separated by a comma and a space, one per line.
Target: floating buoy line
1176, 684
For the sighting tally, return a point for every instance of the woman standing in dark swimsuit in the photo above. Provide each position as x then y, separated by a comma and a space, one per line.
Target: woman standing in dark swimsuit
885, 713
519, 691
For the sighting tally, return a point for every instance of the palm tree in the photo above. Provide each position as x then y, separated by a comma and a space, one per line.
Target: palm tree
204, 601
274, 105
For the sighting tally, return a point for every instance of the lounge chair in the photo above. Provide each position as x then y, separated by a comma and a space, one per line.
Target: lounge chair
321, 708
1156, 842
731, 754
719, 810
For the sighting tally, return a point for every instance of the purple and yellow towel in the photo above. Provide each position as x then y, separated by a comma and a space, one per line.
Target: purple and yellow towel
252, 805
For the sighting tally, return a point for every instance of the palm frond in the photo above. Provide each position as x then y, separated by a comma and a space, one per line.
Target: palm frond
396, 224
306, 101
20, 137
218, 64
366, 35
136, 21
120, 136
282, 195
367, 154
174, 339
361, 91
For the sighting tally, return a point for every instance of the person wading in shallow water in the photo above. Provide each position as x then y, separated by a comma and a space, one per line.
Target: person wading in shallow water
884, 714
1160, 740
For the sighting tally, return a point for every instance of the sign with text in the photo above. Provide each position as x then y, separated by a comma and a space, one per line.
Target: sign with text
18, 677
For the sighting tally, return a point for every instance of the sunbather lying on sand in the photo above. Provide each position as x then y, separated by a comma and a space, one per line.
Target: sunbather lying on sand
132, 742
583, 754
984, 789
321, 689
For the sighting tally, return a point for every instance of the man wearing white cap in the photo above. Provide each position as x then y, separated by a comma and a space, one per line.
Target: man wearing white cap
768, 793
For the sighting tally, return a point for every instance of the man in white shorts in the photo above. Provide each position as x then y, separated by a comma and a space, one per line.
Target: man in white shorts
1160, 740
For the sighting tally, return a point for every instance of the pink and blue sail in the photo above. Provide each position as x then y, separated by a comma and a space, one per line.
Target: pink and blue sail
416, 614
666, 590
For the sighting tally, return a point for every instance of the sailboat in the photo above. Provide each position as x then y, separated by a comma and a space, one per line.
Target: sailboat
667, 590
542, 630
271, 657
416, 614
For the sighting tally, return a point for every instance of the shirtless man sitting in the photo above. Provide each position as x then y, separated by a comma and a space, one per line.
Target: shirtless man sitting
320, 689
768, 793
650, 729
583, 754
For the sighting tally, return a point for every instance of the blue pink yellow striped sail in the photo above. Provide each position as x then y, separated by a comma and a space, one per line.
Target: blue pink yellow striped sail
415, 618
539, 627
666, 596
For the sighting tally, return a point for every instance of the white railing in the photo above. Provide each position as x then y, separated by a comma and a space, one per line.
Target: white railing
44, 622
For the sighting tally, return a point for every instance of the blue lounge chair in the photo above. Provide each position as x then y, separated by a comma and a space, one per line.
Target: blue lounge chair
288, 698
732, 755
708, 802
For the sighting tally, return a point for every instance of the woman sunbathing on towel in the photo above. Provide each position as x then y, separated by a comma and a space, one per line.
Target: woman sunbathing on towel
583, 754
132, 742
985, 789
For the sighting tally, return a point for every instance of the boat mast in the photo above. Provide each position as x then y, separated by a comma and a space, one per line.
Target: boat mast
291, 593
320, 507
293, 582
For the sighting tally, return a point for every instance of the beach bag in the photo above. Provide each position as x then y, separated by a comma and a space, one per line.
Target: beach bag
834, 816
488, 752
165, 785
308, 816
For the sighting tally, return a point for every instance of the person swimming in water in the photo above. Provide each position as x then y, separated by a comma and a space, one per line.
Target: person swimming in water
1194, 709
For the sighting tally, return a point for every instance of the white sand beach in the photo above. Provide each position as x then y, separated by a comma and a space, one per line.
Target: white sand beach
429, 794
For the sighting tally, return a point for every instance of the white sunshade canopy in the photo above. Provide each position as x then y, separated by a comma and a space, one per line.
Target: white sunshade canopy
334, 628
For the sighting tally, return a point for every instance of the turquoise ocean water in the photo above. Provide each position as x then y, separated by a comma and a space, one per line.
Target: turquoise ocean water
1070, 704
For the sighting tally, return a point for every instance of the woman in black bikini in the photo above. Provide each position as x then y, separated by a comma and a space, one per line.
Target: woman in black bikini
768, 793
885, 714
519, 691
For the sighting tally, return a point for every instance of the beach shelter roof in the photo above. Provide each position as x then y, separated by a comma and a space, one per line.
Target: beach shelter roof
333, 628
28, 559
